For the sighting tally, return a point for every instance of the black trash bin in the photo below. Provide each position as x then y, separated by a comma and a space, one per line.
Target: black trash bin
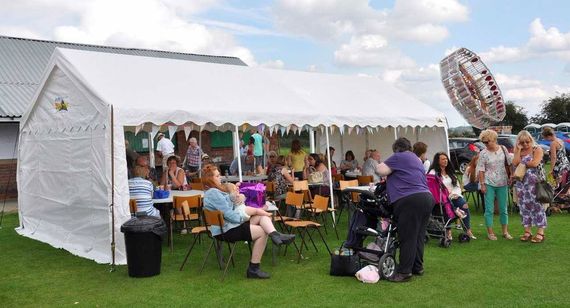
143, 241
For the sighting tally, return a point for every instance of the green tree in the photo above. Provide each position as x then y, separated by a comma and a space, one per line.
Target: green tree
515, 116
554, 110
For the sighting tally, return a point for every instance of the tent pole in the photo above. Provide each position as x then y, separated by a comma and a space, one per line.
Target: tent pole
312, 139
8, 184
330, 173
366, 141
200, 145
238, 153
112, 190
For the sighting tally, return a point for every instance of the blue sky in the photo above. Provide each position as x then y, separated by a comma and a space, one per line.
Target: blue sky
526, 44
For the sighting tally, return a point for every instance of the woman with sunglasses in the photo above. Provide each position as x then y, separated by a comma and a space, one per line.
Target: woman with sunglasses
532, 212
492, 166
558, 160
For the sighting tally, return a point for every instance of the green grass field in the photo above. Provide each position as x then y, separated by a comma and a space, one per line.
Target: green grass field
480, 273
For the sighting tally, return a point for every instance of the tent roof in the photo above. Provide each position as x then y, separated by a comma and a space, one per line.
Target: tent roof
157, 90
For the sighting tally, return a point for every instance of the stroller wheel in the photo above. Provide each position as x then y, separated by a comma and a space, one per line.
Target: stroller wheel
464, 238
548, 211
445, 243
387, 266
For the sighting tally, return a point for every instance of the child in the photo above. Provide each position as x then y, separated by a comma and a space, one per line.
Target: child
237, 199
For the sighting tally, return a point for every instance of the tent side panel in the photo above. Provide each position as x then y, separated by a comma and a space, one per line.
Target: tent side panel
62, 182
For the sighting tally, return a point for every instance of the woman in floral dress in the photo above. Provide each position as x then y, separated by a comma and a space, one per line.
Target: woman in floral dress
532, 212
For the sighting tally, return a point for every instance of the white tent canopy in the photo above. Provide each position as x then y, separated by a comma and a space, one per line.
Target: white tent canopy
71, 153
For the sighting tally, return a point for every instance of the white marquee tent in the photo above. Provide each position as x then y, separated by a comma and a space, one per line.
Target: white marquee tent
72, 179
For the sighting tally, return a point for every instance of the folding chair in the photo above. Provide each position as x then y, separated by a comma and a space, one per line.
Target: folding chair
197, 186
321, 208
186, 209
216, 218
197, 233
303, 187
302, 226
364, 180
133, 207
348, 199
269, 190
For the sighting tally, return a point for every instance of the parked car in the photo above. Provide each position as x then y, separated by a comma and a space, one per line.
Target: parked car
507, 140
462, 150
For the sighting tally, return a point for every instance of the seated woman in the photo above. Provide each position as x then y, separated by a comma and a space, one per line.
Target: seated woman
175, 177
280, 174
349, 162
316, 172
141, 190
442, 168
236, 226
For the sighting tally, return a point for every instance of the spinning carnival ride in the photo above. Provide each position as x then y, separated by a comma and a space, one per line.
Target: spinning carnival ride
472, 88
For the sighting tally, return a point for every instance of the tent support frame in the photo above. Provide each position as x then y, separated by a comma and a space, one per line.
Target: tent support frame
112, 191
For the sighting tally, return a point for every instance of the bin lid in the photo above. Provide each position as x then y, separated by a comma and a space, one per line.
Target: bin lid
142, 224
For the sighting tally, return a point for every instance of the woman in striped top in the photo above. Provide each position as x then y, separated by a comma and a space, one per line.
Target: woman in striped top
141, 190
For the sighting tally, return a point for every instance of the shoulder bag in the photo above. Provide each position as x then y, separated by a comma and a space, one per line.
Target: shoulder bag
507, 166
544, 192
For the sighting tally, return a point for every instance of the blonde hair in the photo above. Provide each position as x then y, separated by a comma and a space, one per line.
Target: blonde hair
488, 135
523, 134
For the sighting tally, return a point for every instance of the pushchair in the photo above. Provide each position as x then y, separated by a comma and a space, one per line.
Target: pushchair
561, 200
365, 222
442, 215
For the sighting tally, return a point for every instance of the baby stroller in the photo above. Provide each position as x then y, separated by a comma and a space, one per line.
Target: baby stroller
364, 222
561, 200
442, 215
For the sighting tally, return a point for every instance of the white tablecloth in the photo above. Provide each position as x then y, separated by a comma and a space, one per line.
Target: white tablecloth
179, 193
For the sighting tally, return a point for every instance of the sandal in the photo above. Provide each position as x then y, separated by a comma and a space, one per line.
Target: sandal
538, 238
526, 236
507, 236
492, 237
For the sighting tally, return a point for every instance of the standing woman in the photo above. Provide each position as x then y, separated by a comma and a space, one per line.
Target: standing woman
558, 160
532, 212
296, 159
420, 149
408, 191
494, 181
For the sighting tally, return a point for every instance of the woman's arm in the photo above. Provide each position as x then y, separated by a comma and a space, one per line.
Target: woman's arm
536, 157
216, 200
482, 181
383, 170
286, 175
178, 181
553, 153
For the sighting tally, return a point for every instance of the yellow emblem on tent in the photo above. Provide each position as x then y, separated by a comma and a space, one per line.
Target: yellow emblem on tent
60, 104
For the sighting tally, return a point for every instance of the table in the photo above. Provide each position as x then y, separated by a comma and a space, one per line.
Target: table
245, 178
179, 193
165, 205
352, 174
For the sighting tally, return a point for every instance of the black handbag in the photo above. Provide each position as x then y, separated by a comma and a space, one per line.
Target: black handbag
344, 264
544, 192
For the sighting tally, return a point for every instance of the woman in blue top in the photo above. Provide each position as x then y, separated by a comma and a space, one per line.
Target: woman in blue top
236, 225
409, 194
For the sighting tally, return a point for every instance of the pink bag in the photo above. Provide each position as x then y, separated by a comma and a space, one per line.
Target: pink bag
254, 194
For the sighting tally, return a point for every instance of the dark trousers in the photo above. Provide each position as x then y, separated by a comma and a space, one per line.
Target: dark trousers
412, 214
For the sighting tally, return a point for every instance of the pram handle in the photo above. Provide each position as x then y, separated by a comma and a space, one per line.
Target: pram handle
363, 193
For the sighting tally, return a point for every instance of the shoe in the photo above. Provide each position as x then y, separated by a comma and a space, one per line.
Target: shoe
507, 236
538, 238
458, 227
471, 236
280, 238
418, 273
257, 273
287, 238
527, 236
401, 277
492, 237
183, 231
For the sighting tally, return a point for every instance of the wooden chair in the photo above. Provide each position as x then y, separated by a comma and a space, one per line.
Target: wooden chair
269, 190
186, 209
197, 186
337, 177
216, 218
321, 208
302, 226
303, 187
364, 180
133, 207
348, 199
196, 180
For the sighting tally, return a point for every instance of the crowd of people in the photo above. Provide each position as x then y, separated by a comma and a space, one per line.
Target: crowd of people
490, 173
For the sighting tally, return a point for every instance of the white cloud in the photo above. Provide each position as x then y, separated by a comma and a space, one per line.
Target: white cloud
371, 50
438, 11
541, 43
154, 24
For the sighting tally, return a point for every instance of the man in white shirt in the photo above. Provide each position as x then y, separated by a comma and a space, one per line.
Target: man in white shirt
165, 149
